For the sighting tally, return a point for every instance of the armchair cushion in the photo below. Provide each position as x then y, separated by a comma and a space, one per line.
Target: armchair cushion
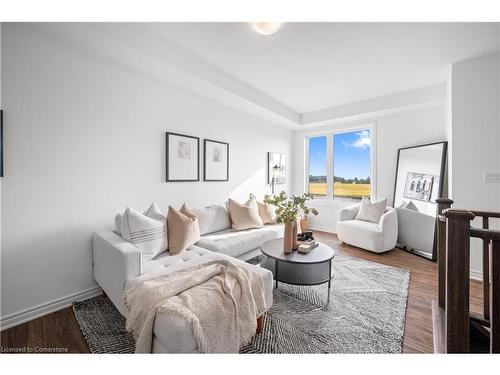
371, 212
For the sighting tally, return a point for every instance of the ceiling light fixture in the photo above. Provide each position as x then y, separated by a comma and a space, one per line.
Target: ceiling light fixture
267, 28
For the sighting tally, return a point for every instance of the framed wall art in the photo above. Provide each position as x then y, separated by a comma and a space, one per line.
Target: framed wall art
215, 160
183, 158
276, 168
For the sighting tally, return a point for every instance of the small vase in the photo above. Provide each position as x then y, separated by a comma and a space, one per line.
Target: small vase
295, 245
304, 224
288, 238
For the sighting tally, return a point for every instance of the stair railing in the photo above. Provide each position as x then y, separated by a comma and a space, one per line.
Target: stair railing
453, 238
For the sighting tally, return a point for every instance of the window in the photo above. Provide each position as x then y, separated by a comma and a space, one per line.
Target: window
351, 164
340, 164
317, 165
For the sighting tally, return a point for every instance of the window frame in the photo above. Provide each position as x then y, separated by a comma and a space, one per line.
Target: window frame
330, 133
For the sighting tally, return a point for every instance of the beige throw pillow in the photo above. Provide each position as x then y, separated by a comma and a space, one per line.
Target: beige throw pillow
267, 213
183, 230
371, 212
244, 216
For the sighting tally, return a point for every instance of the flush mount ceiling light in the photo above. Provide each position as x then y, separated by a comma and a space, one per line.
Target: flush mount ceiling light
267, 28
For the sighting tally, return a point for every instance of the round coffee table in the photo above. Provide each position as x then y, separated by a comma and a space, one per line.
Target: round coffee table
296, 268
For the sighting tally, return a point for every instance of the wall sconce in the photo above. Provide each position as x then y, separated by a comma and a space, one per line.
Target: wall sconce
276, 169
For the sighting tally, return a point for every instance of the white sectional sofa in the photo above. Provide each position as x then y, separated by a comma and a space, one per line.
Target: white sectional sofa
118, 265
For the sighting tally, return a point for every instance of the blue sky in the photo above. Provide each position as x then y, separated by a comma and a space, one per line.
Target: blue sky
351, 158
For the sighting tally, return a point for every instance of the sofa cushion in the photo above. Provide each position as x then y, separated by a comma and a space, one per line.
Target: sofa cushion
371, 212
246, 215
267, 213
148, 234
184, 229
236, 243
212, 218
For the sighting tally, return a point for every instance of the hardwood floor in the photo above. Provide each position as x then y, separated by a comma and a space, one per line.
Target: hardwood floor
60, 329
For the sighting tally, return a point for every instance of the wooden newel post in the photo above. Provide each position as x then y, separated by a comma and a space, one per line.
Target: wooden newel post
442, 204
457, 279
495, 297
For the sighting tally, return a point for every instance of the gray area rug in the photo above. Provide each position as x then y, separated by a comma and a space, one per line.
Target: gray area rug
366, 314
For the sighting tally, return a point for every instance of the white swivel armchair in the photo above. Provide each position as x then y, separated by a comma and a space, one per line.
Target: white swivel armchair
375, 237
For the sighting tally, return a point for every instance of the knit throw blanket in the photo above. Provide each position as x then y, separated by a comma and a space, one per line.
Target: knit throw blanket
221, 300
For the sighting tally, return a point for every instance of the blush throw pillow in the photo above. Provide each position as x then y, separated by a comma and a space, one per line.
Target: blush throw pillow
246, 215
147, 233
267, 213
371, 212
183, 229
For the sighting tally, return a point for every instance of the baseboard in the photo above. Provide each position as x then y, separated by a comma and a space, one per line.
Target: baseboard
476, 275
320, 228
37, 311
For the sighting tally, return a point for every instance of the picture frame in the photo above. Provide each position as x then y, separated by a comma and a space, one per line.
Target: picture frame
215, 160
419, 186
276, 168
182, 158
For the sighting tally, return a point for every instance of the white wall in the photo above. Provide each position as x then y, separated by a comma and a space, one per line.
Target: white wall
475, 131
1, 107
86, 137
404, 129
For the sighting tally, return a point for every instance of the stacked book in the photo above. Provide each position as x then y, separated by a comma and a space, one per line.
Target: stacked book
306, 245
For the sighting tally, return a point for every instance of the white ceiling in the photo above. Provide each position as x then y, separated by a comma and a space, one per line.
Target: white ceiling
313, 66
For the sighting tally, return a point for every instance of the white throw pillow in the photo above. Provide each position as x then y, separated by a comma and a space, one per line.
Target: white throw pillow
118, 224
211, 218
409, 206
155, 213
148, 232
371, 212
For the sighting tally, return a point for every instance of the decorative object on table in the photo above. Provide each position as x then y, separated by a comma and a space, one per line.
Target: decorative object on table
1, 143
276, 169
305, 211
419, 182
305, 236
304, 223
419, 186
215, 160
305, 248
287, 211
306, 242
183, 155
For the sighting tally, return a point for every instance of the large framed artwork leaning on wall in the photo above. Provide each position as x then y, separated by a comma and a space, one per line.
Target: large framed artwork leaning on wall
182, 158
215, 160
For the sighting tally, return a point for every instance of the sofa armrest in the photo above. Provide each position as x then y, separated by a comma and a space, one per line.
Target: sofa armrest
349, 212
389, 227
116, 261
